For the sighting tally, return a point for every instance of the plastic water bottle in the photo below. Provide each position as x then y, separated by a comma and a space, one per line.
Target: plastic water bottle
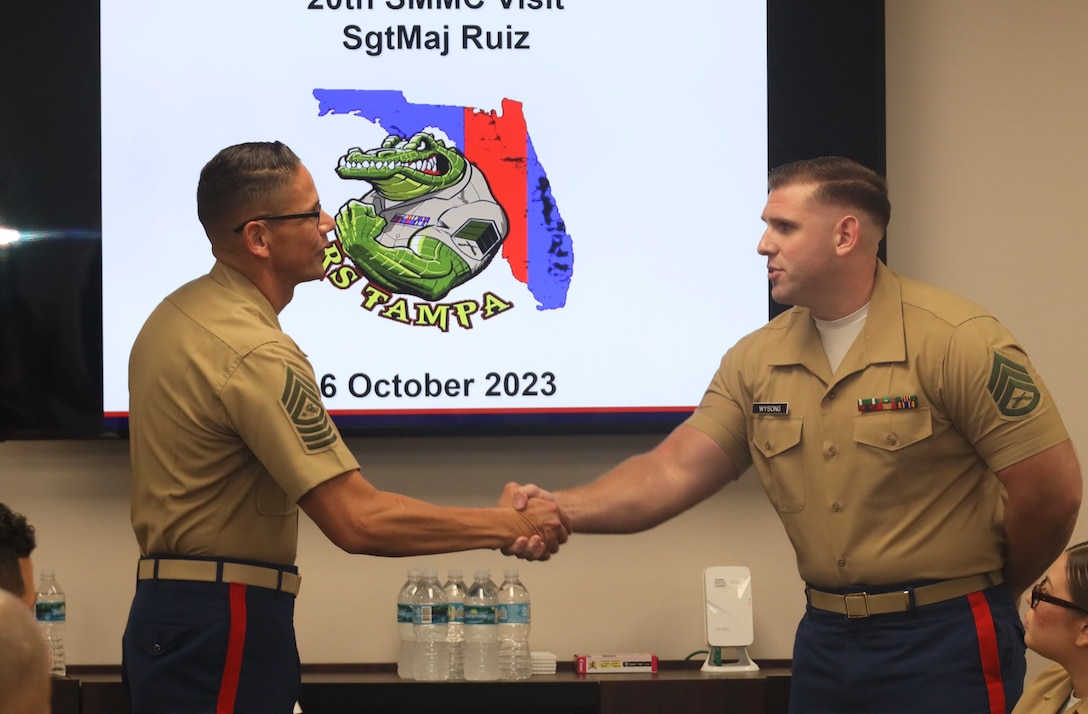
455, 597
405, 602
482, 628
430, 618
515, 658
49, 608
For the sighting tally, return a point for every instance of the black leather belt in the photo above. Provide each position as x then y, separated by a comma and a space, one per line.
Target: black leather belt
218, 571
863, 604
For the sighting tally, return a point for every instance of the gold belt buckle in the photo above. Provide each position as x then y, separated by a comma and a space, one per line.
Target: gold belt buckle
857, 605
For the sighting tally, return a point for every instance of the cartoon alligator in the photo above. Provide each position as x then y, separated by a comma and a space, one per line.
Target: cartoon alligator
429, 224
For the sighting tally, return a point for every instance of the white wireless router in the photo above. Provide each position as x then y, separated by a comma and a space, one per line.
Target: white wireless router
727, 592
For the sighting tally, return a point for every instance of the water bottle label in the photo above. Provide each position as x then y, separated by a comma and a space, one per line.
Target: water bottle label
457, 612
430, 615
514, 614
49, 611
404, 612
480, 615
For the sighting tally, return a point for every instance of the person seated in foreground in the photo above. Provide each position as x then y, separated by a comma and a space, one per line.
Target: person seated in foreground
1057, 628
25, 686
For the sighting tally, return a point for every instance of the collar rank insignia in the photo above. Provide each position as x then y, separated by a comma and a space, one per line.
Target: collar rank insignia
1012, 388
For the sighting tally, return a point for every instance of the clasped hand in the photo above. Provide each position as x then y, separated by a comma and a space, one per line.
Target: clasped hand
547, 526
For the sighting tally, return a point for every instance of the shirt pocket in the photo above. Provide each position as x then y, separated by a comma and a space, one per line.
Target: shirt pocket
778, 440
893, 456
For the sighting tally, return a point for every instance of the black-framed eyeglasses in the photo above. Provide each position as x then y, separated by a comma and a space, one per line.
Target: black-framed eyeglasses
284, 217
1037, 596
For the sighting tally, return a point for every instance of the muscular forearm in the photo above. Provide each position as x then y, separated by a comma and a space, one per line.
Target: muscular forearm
1044, 494
650, 488
1032, 545
399, 525
362, 519
626, 499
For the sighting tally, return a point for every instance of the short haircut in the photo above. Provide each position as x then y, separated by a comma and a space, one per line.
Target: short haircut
15, 532
1076, 571
16, 542
840, 181
239, 176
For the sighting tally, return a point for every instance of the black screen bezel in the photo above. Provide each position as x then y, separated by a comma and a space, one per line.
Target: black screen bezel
821, 101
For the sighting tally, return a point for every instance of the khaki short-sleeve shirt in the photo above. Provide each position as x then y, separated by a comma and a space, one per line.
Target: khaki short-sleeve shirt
227, 428
1049, 694
884, 472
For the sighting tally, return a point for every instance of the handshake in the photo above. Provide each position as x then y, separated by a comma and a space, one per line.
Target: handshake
540, 524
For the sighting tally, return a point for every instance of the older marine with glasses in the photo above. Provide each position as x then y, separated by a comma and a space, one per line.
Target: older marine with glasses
283, 217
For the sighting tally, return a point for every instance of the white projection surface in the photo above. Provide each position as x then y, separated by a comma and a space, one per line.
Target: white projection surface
563, 223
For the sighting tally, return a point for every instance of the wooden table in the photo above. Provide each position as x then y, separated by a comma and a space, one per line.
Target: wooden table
376, 689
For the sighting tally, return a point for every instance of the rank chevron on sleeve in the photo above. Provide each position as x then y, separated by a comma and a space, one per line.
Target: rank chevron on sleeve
1012, 388
308, 416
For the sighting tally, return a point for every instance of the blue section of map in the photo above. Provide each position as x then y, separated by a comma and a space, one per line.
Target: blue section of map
392, 112
550, 251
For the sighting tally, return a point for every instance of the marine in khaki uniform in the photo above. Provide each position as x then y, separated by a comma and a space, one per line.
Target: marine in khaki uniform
229, 439
913, 454
905, 430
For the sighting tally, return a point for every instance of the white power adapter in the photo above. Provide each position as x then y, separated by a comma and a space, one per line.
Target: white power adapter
727, 617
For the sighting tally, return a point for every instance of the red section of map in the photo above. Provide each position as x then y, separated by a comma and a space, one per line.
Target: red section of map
497, 146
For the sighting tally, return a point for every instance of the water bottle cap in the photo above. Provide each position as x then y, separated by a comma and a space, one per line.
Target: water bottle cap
48, 573
414, 572
430, 573
511, 573
482, 574
454, 574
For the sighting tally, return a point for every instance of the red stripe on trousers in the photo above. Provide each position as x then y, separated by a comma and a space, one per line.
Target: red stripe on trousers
987, 649
232, 668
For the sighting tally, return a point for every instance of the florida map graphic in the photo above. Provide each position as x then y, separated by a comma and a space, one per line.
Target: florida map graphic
430, 214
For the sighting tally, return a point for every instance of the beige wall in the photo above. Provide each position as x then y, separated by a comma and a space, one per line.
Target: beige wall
986, 139
602, 593
986, 117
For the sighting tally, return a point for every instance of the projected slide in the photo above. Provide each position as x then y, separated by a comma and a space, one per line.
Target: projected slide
544, 208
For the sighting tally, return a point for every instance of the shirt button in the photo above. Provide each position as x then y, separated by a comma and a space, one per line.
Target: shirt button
842, 562
836, 507
831, 395
767, 445
831, 450
891, 439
